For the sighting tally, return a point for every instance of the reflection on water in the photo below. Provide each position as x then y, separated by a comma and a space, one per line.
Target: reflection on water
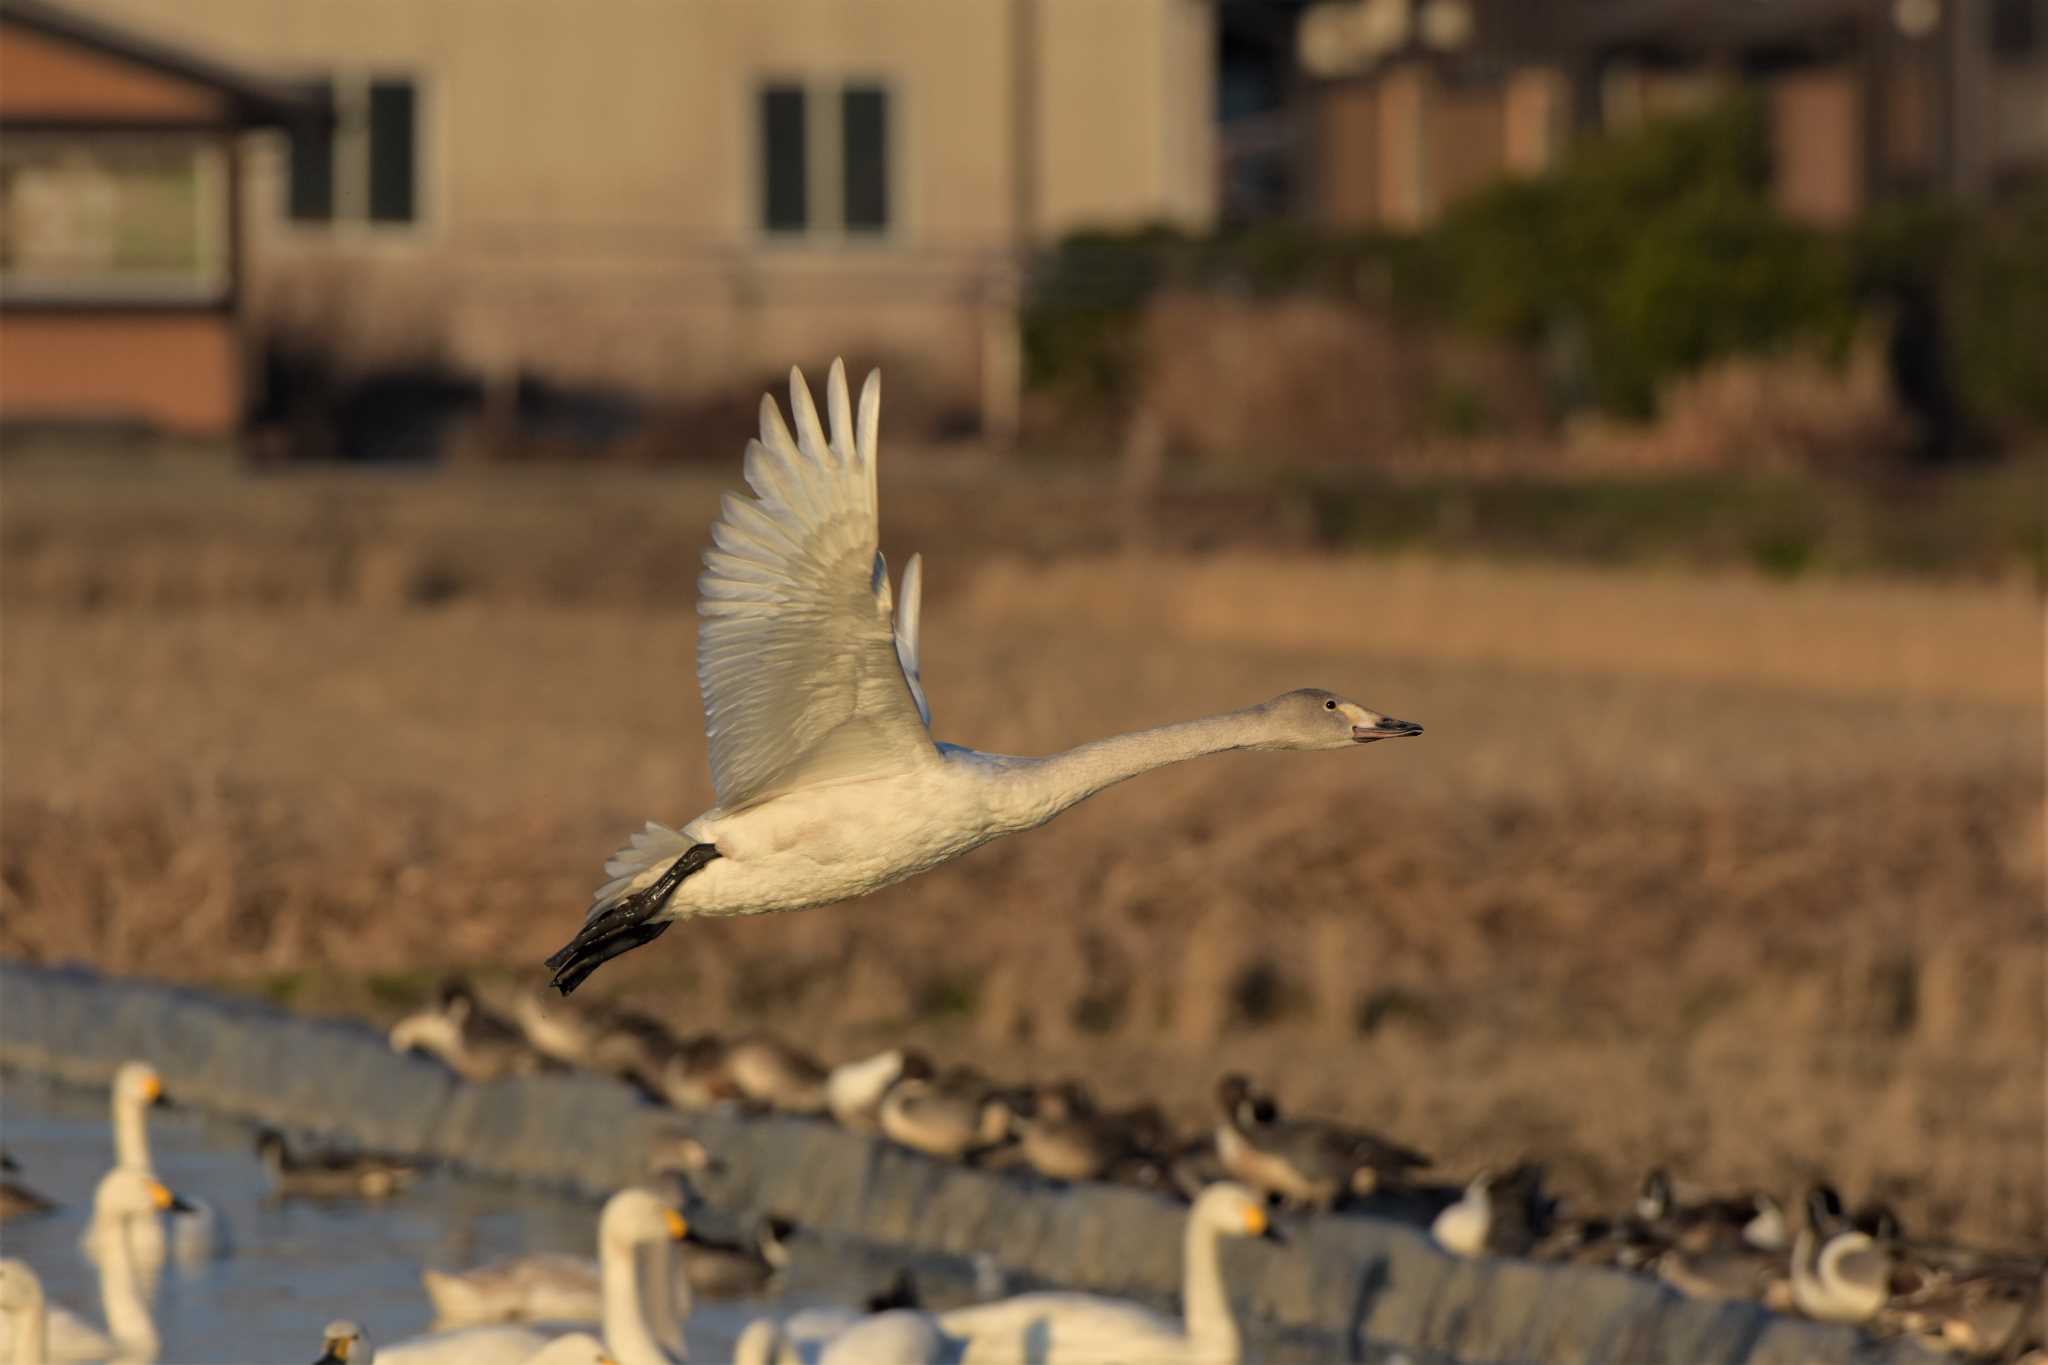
296, 1263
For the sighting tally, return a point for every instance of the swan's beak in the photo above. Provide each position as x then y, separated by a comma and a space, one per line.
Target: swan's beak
677, 1228
1367, 726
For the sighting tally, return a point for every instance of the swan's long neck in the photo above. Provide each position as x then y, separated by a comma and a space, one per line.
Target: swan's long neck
128, 1320
1212, 1332
131, 1134
32, 1331
627, 1333
1036, 789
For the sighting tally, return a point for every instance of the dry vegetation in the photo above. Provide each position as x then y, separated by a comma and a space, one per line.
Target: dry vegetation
1743, 878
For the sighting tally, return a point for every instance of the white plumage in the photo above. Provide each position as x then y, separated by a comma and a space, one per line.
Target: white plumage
828, 781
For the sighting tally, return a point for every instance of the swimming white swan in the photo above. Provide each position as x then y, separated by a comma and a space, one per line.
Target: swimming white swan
634, 1234
828, 781
197, 1232
125, 1200
1056, 1328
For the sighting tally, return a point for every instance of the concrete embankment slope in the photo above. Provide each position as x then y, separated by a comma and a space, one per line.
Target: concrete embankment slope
1342, 1288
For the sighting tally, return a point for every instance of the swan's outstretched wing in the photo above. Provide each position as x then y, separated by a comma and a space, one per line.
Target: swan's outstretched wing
908, 612
801, 666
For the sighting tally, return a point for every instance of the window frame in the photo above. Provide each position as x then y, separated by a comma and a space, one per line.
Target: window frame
825, 161
350, 161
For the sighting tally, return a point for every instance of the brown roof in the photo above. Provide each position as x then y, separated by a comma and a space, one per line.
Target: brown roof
257, 100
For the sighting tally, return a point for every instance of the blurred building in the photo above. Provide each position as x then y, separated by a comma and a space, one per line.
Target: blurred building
120, 263
665, 199
1410, 105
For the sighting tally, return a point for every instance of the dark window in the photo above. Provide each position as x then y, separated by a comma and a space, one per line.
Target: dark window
309, 189
393, 124
864, 123
2015, 27
785, 204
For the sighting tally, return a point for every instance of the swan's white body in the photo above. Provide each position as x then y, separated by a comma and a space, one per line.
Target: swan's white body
1052, 1329
829, 783
125, 1201
634, 1234
193, 1235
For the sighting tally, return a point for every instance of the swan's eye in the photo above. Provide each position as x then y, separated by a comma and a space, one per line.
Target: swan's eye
1330, 705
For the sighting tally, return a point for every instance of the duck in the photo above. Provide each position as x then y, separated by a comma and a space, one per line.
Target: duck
1984, 1309
1503, 1213
634, 1234
196, 1232
773, 1075
1753, 1220
1060, 1134
696, 1074
1062, 1327
1309, 1162
951, 1116
854, 1090
474, 1042
331, 1175
124, 1201
16, 1199
817, 726
338, 1341
1839, 1273
556, 1288
571, 1033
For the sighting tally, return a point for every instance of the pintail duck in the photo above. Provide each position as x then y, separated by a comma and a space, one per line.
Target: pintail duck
1309, 1162
774, 1075
18, 1200
854, 1090
953, 1115
331, 1174
1506, 1214
466, 1037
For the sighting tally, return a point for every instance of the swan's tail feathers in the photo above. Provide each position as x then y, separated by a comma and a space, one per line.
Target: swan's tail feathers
628, 917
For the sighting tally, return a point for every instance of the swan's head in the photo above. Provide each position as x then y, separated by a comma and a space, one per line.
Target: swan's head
137, 1083
635, 1216
123, 1193
1231, 1210
1314, 719
339, 1340
20, 1290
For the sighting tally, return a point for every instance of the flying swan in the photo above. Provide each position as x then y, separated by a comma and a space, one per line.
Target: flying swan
828, 782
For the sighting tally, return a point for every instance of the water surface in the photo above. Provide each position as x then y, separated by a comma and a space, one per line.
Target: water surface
295, 1263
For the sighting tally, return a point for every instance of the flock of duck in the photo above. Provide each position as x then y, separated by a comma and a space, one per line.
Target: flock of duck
1827, 1263
652, 1265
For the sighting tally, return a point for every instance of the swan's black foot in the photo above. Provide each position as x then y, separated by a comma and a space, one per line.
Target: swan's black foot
624, 924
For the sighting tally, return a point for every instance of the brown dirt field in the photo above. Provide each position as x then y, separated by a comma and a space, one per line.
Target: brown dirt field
1743, 878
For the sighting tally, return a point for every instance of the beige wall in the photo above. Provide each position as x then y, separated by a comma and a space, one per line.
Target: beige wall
589, 172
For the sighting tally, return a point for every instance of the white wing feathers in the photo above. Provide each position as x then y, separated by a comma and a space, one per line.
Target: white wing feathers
805, 677
906, 635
